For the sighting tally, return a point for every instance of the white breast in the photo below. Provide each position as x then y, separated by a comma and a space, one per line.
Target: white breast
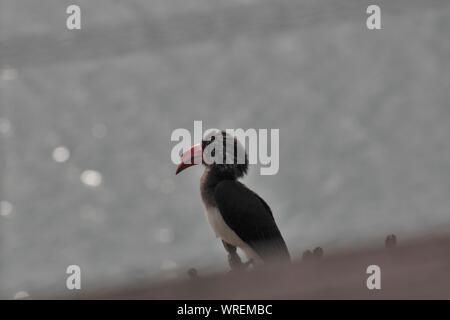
224, 232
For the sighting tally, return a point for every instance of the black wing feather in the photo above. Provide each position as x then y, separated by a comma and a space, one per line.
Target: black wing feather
249, 216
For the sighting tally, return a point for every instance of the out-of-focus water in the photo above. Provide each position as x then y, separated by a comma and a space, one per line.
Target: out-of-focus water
86, 118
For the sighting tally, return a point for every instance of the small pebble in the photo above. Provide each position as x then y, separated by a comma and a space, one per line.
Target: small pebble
391, 241
307, 255
318, 253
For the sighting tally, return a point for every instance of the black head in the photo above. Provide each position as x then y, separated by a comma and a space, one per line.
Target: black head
224, 154
219, 152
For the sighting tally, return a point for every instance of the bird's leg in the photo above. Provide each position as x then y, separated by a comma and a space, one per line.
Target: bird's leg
234, 260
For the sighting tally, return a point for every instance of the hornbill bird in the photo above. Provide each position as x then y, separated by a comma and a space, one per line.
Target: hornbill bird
238, 216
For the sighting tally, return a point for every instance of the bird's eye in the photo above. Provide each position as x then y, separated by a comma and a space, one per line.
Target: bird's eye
208, 141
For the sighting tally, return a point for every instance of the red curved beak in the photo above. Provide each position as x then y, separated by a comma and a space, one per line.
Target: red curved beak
190, 158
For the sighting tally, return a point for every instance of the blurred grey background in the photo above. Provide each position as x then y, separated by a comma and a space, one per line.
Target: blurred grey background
86, 118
